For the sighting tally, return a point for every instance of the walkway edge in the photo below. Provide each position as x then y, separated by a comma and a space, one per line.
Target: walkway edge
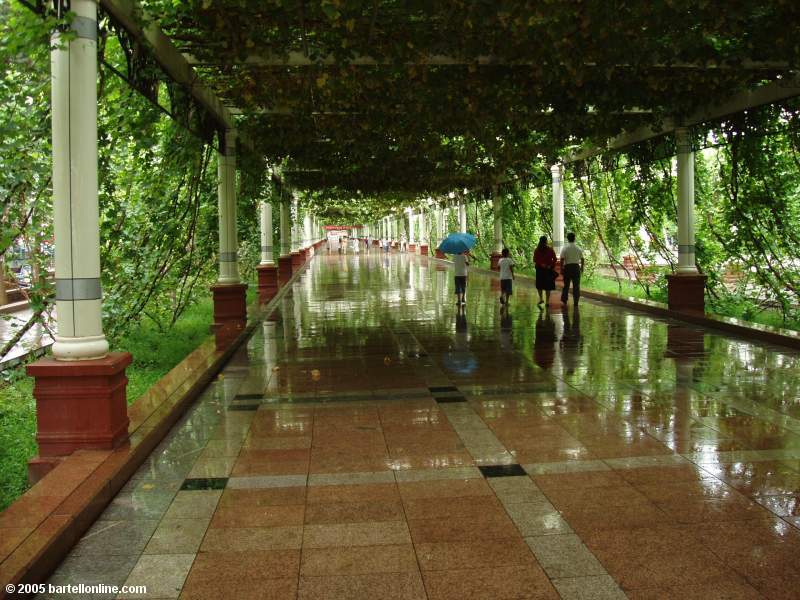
38, 530
747, 330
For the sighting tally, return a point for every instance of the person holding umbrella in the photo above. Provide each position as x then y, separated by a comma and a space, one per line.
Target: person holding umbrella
460, 264
459, 244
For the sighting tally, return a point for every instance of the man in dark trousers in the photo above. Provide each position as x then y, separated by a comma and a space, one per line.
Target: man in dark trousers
571, 268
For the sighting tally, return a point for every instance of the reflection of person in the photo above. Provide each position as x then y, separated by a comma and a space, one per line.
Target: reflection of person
506, 325
544, 342
461, 320
544, 257
506, 266
571, 341
460, 264
571, 268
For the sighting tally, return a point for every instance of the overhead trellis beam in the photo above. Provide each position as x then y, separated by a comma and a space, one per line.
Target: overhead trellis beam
299, 59
126, 13
775, 91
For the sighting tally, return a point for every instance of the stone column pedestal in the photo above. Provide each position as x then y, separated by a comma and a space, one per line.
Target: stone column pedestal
412, 247
297, 260
423, 249
440, 254
230, 312
686, 292
284, 269
79, 405
267, 282
494, 259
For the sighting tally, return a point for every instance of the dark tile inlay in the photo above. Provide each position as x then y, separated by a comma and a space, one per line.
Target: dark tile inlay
445, 399
443, 388
248, 397
204, 483
502, 470
243, 406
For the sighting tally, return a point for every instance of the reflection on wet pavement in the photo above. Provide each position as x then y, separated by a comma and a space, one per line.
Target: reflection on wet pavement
373, 440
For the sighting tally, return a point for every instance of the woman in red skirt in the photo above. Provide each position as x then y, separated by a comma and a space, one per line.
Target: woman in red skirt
545, 260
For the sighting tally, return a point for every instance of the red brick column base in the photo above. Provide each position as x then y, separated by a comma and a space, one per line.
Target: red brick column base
267, 282
297, 260
493, 260
686, 292
284, 269
440, 254
230, 312
423, 249
79, 405
412, 247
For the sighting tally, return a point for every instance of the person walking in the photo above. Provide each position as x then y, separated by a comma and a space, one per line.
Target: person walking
571, 268
506, 266
460, 264
544, 258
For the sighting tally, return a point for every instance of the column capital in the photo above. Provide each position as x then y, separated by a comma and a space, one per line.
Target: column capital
227, 142
683, 140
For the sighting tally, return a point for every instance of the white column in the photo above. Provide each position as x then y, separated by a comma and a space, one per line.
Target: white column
462, 216
307, 241
686, 260
423, 237
226, 194
295, 229
266, 233
411, 226
497, 212
76, 214
286, 242
558, 207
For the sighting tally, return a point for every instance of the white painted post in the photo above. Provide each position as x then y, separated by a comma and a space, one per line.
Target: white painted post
76, 220
266, 233
226, 193
307, 241
411, 216
423, 237
295, 215
685, 159
462, 216
557, 172
286, 241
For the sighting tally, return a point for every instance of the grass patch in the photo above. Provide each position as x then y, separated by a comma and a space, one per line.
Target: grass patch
17, 437
155, 353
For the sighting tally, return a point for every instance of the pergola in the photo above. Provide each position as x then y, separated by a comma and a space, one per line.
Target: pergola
395, 100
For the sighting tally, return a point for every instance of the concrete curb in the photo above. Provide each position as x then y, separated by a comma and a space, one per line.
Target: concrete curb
85, 482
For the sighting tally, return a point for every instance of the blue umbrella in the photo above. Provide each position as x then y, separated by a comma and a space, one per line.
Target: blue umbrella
460, 362
456, 243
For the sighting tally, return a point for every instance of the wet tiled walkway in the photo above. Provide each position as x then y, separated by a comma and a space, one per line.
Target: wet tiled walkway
371, 441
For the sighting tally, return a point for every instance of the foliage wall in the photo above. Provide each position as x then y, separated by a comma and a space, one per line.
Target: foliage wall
158, 183
623, 209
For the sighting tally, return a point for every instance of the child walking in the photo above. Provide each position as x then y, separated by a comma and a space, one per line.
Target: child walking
506, 276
